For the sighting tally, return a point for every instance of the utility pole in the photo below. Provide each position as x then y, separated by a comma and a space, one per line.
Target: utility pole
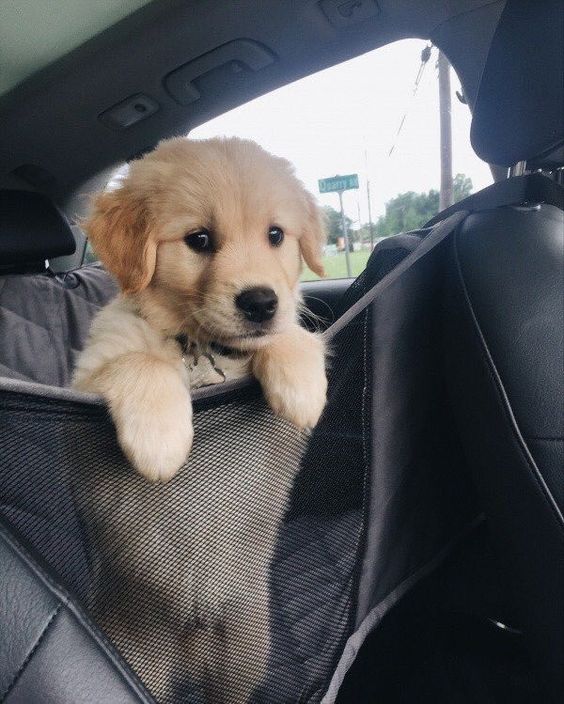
446, 197
370, 225
345, 234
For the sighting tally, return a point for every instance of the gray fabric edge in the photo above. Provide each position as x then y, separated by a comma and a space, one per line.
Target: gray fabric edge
59, 393
439, 232
33, 388
377, 613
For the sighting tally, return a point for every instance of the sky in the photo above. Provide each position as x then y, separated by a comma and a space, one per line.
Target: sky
344, 120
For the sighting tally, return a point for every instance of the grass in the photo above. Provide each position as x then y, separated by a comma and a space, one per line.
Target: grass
336, 266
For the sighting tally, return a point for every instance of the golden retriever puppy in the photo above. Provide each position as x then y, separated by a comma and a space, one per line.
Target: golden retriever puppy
206, 240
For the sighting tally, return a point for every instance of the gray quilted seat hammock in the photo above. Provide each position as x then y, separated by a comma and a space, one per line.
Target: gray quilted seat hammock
44, 321
378, 500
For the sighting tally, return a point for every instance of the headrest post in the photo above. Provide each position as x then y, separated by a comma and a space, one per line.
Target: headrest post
518, 169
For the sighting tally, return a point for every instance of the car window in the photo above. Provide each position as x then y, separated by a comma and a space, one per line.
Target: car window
373, 119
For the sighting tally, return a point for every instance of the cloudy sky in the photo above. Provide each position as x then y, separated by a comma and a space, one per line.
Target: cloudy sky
344, 120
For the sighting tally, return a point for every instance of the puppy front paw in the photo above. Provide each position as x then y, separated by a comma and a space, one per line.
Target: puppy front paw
302, 405
153, 420
292, 374
157, 447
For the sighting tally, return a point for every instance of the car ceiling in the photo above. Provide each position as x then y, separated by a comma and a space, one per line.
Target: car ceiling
36, 33
53, 138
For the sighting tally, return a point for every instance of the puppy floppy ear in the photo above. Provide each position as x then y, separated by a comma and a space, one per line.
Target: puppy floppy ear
119, 230
313, 236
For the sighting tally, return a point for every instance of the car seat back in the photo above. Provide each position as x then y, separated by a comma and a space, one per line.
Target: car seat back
44, 317
504, 350
505, 317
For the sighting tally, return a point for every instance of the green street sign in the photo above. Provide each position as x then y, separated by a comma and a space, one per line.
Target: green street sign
338, 183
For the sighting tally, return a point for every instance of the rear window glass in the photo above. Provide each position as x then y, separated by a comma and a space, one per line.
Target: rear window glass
375, 117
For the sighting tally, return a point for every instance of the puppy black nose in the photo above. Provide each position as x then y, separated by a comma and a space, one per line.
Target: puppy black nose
258, 304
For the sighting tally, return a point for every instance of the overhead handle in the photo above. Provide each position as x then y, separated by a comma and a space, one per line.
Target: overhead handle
240, 53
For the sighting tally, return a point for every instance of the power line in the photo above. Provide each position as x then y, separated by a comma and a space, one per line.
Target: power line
425, 56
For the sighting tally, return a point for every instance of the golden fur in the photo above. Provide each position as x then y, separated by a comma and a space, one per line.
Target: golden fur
237, 191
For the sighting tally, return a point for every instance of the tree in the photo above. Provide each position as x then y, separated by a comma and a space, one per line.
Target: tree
407, 211
462, 187
335, 225
363, 233
410, 211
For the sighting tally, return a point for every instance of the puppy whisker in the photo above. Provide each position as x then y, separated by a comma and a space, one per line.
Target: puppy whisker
329, 320
318, 322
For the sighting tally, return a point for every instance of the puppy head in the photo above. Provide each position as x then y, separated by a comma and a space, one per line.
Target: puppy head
212, 234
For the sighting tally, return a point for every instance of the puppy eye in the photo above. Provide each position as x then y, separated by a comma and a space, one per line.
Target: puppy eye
199, 241
275, 236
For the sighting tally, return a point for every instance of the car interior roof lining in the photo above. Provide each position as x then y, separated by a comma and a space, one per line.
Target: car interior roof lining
53, 140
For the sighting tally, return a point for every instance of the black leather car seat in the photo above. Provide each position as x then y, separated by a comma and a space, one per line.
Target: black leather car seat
50, 652
504, 327
505, 351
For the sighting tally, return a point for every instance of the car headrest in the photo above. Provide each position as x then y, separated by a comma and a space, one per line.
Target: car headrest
519, 113
32, 229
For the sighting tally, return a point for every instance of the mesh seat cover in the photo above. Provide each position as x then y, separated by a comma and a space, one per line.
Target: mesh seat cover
68, 490
125, 548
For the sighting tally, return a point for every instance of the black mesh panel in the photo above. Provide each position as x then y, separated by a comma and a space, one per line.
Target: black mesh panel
128, 549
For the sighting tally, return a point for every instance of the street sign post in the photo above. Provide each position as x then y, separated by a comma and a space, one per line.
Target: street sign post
338, 184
